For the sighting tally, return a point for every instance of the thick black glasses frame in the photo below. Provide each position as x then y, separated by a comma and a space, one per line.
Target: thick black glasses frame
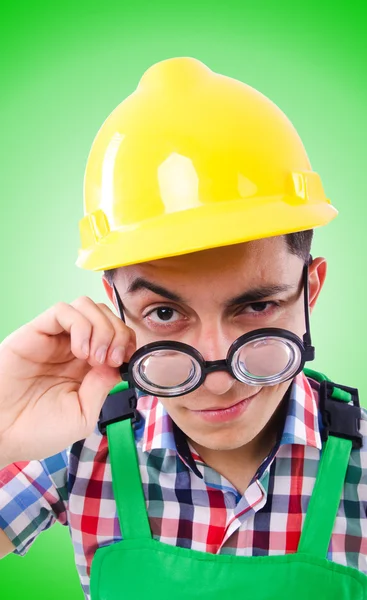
306, 349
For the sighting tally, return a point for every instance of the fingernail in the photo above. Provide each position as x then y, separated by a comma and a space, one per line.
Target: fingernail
85, 347
101, 354
118, 355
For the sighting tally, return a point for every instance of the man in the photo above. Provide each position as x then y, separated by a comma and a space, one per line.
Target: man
235, 472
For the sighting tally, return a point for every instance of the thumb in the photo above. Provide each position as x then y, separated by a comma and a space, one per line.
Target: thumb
96, 386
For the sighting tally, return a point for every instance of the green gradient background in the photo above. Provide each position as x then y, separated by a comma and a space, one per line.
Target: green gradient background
66, 65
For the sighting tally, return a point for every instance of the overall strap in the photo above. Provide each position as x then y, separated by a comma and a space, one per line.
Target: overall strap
126, 481
325, 499
340, 433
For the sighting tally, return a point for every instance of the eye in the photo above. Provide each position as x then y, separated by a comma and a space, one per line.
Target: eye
163, 314
260, 308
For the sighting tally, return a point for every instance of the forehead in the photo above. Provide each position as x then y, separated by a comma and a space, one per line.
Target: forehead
250, 263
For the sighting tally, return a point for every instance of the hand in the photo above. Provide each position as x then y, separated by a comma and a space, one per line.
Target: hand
55, 373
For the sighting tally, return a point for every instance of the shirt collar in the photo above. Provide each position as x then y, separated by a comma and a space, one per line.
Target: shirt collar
160, 432
301, 424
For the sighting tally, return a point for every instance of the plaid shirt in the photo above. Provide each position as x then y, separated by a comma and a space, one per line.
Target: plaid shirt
189, 504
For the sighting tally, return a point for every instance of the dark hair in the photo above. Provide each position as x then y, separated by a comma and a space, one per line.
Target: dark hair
299, 243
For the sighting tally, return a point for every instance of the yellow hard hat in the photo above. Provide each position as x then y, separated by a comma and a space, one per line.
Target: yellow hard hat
194, 160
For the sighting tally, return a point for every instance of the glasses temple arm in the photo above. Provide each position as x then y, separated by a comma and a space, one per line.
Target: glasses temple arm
307, 336
119, 303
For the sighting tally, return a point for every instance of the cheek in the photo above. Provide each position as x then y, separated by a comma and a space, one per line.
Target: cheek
297, 322
294, 322
269, 401
173, 406
142, 335
270, 412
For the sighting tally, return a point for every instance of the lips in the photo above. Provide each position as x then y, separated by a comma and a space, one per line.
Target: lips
224, 414
223, 408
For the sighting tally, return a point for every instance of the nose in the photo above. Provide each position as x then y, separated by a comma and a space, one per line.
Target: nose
214, 346
219, 382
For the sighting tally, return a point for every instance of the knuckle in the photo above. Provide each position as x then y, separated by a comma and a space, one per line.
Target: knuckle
104, 307
123, 332
103, 333
109, 334
83, 322
59, 306
81, 301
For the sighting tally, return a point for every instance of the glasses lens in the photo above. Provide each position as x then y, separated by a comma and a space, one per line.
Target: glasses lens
166, 372
266, 360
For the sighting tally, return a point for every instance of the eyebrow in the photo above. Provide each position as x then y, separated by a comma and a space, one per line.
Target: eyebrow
253, 295
258, 294
143, 284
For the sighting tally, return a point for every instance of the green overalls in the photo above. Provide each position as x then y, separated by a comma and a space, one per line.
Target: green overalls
141, 568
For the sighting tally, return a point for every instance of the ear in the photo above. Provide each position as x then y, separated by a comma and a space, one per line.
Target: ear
109, 290
316, 277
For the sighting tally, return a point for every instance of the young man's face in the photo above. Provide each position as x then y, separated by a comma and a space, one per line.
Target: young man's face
203, 315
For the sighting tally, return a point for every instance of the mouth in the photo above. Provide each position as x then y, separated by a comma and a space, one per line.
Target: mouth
217, 414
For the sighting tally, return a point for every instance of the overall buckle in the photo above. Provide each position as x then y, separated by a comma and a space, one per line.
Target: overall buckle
118, 407
340, 418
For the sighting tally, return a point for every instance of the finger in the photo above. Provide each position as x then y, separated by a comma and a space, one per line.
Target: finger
93, 391
119, 350
63, 317
110, 336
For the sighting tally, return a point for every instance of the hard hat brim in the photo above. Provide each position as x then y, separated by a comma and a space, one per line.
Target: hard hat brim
208, 227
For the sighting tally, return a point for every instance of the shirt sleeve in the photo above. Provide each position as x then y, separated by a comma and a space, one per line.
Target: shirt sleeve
33, 496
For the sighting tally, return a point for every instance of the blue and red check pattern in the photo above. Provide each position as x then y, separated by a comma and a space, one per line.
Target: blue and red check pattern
189, 504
